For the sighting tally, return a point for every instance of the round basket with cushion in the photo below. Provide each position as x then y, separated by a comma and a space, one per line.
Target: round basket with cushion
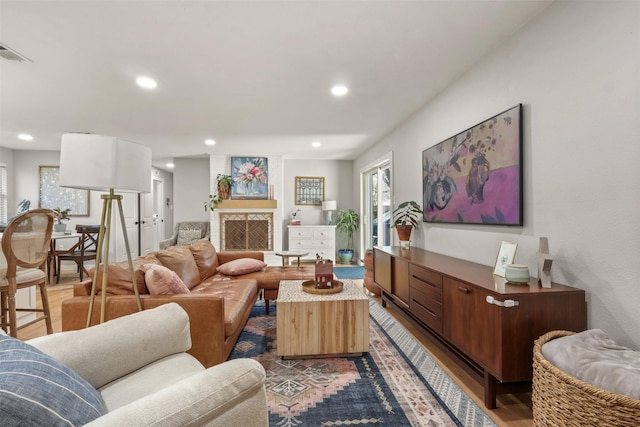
560, 399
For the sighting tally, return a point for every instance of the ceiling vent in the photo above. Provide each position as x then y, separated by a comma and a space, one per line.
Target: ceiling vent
11, 55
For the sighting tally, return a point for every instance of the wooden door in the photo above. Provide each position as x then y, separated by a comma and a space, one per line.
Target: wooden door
401, 279
382, 269
472, 324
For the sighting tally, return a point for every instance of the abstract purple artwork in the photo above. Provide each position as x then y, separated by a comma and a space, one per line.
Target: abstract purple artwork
475, 177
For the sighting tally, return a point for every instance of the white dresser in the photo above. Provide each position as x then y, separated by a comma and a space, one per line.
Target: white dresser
315, 239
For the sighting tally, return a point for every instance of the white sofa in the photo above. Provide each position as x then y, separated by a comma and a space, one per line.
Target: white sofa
139, 365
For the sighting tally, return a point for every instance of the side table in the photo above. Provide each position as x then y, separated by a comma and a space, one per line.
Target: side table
291, 254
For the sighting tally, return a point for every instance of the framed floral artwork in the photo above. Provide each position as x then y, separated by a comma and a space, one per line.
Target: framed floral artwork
249, 178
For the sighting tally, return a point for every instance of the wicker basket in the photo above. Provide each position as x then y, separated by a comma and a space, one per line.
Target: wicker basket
560, 399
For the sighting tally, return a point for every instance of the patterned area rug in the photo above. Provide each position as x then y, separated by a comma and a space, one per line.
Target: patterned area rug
397, 383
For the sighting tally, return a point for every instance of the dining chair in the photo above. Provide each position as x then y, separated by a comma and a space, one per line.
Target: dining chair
25, 244
85, 250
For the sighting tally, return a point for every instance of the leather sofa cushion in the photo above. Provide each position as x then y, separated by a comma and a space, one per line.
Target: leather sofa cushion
206, 257
237, 294
180, 260
119, 277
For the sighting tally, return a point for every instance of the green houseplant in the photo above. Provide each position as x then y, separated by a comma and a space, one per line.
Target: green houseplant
347, 222
224, 186
212, 202
61, 215
405, 218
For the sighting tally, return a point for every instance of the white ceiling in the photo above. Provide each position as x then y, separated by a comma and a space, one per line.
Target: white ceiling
253, 75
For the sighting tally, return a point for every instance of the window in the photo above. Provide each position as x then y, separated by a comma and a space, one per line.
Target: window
376, 181
3, 194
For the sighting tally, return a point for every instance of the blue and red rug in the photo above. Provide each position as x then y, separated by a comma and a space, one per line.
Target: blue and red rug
397, 383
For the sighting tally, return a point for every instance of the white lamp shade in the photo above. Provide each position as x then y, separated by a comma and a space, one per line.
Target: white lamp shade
329, 205
98, 162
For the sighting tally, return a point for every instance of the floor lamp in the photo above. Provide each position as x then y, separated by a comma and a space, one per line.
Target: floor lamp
105, 163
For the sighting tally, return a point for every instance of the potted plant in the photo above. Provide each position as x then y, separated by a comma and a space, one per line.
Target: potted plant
24, 206
347, 222
61, 215
224, 186
212, 202
405, 218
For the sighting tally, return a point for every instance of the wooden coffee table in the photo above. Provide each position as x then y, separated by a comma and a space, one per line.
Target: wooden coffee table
310, 325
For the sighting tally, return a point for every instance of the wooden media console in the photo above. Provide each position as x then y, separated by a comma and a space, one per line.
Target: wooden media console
481, 321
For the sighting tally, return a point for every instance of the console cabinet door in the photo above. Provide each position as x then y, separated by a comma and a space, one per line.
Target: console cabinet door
382, 269
473, 325
401, 279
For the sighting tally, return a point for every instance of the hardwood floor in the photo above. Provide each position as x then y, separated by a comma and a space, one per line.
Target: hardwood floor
514, 410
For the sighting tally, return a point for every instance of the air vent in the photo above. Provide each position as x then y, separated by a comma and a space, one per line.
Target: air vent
11, 55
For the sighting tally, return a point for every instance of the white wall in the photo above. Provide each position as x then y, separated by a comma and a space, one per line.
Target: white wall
576, 69
338, 175
191, 189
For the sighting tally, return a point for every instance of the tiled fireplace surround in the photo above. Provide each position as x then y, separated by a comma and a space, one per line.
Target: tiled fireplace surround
222, 164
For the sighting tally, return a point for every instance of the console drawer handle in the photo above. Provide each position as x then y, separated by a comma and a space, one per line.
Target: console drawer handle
424, 308
463, 289
423, 281
507, 303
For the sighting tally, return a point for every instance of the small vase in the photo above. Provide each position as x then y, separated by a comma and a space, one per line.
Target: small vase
59, 228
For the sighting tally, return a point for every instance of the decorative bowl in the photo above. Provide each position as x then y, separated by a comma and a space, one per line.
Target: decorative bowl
517, 273
310, 287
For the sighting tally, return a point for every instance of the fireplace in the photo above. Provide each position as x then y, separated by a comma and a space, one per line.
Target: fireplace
242, 231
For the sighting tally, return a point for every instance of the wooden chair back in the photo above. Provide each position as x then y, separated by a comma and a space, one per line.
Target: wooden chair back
25, 244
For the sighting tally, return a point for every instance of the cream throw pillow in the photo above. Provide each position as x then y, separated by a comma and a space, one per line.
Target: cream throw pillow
186, 237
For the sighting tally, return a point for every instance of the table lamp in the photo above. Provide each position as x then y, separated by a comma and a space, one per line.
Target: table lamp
105, 163
329, 206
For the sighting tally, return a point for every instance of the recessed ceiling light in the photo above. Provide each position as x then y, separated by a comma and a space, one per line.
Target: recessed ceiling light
210, 142
339, 90
146, 82
25, 137
316, 144
170, 165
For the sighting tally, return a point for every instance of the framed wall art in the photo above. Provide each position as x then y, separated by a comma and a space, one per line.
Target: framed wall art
309, 190
52, 196
249, 178
506, 255
475, 177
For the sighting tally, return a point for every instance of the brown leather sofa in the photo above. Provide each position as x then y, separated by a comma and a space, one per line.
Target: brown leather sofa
218, 305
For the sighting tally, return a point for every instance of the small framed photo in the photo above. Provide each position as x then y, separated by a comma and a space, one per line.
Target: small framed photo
506, 255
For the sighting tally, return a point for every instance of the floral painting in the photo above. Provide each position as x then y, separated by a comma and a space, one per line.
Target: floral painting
475, 177
249, 176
